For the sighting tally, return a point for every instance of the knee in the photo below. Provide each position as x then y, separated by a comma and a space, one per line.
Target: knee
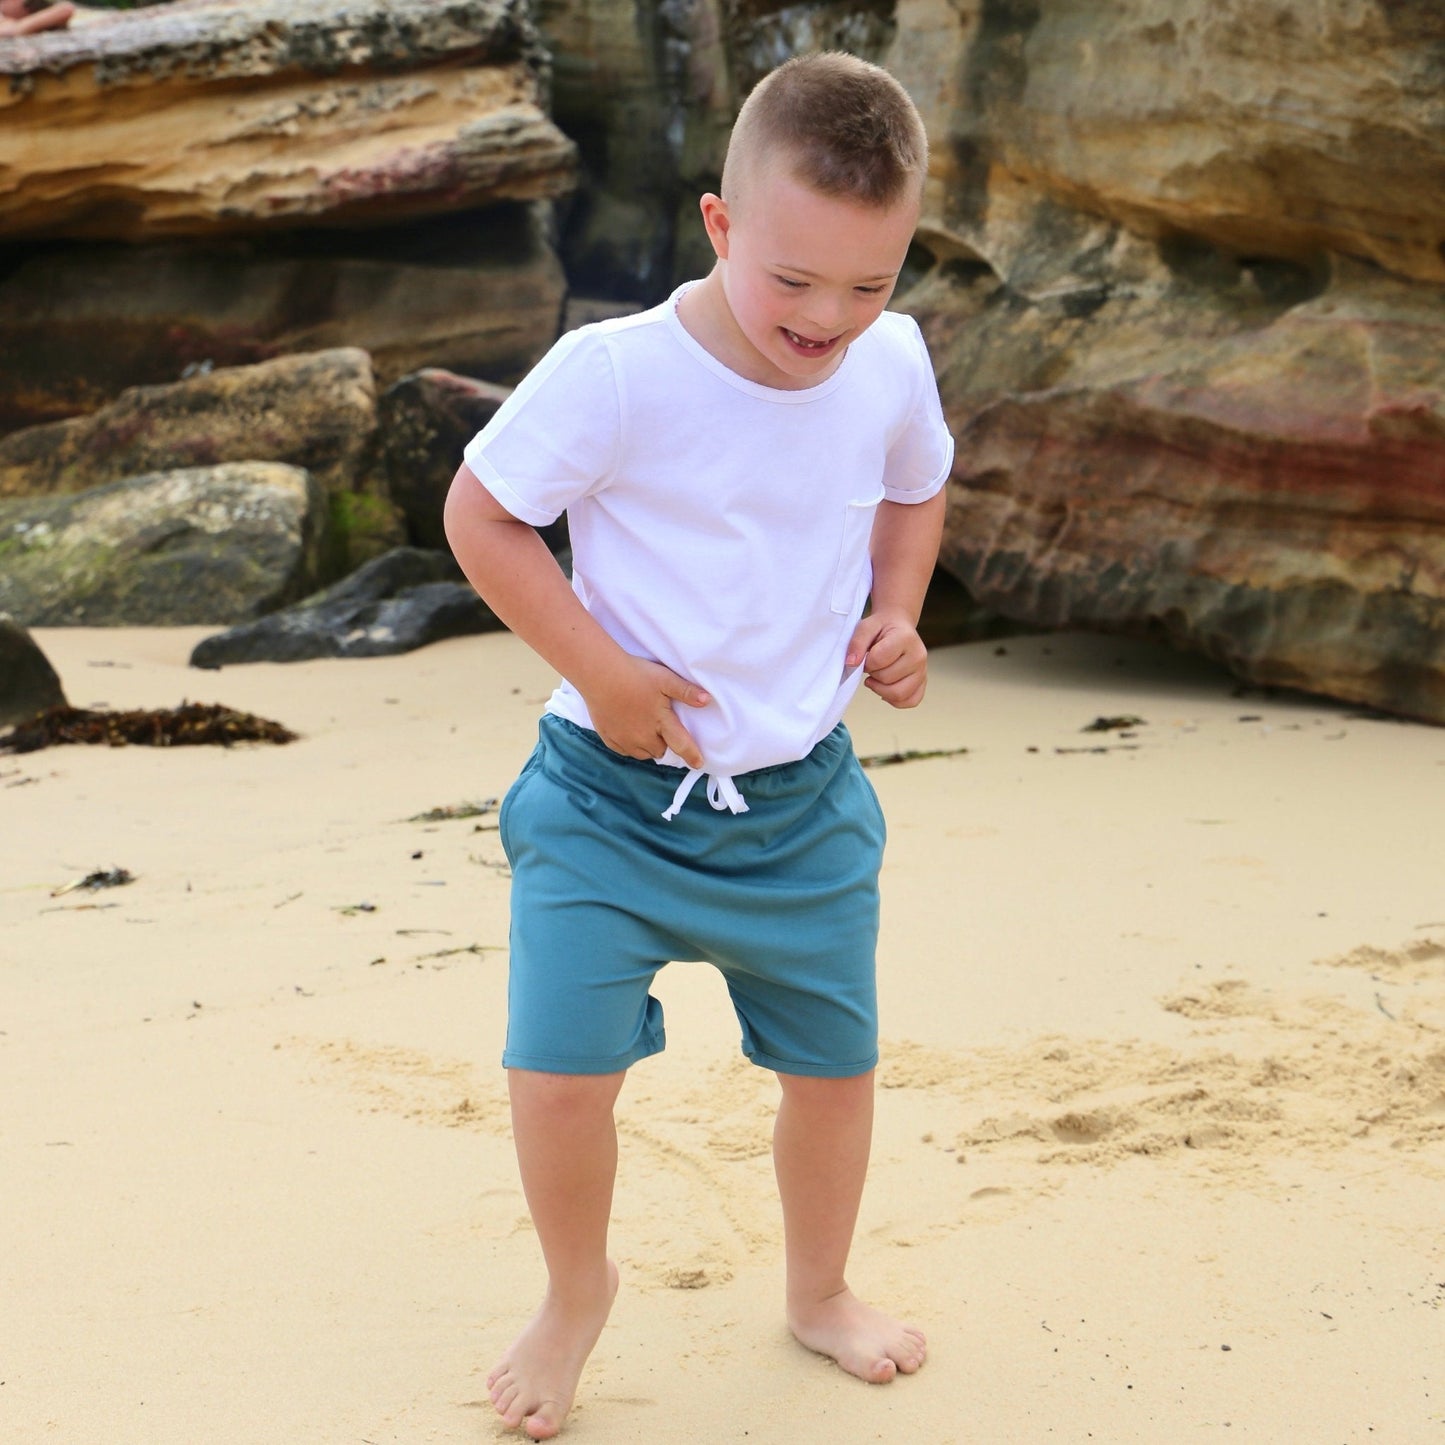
846, 1095
563, 1099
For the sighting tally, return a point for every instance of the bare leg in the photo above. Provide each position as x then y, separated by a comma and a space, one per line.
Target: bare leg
820, 1151
567, 1151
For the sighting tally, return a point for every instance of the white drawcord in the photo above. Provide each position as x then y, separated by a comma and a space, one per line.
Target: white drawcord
722, 793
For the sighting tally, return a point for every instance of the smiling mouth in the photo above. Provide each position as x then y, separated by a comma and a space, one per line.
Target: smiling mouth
803, 344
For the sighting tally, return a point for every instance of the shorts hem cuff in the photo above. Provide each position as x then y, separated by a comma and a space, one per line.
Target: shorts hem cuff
551, 1064
810, 1070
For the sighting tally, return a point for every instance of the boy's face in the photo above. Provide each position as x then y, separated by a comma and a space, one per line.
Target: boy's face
802, 274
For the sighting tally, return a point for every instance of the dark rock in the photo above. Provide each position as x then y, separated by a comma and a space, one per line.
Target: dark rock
425, 421
397, 603
480, 293
200, 545
28, 683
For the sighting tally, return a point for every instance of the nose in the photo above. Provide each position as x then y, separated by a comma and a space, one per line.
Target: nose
827, 311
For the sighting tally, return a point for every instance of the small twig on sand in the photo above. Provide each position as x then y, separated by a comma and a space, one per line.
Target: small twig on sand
114, 878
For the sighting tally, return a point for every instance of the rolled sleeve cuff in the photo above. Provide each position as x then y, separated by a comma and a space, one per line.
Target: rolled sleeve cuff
497, 485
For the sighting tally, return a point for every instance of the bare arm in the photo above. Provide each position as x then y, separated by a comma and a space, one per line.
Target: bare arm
17, 19
630, 699
904, 547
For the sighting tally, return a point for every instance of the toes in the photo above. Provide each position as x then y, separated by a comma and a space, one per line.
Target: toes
543, 1424
882, 1372
505, 1401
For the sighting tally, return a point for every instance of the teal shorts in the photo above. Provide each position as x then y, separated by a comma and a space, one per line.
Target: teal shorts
782, 899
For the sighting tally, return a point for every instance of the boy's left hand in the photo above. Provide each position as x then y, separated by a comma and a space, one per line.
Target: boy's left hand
893, 657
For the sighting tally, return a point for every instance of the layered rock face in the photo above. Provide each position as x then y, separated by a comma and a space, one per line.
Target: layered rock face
204, 116
212, 182
1188, 324
1185, 295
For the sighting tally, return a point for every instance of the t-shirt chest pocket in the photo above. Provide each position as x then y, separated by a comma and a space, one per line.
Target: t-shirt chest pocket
850, 577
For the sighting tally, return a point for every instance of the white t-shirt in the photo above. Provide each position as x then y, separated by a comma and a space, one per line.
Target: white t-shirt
718, 526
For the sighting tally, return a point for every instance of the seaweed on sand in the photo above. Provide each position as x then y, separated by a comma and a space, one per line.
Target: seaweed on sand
191, 723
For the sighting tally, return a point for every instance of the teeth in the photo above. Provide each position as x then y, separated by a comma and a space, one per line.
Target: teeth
800, 341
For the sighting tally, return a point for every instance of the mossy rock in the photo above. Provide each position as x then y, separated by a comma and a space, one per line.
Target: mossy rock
361, 526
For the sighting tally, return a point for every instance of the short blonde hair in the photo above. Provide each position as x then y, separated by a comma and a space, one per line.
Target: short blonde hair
840, 125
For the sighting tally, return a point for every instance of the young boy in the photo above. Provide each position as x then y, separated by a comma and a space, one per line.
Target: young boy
728, 461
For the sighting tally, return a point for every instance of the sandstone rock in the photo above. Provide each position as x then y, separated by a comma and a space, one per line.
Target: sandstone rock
427, 418
201, 545
211, 116
1285, 129
316, 410
480, 293
396, 603
648, 93
1248, 460
28, 683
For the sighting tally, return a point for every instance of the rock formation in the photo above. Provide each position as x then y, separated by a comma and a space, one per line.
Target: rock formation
237, 181
315, 410
203, 545
1188, 326
1184, 266
426, 420
395, 603
223, 116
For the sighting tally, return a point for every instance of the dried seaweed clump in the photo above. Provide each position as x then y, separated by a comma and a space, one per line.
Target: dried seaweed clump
169, 727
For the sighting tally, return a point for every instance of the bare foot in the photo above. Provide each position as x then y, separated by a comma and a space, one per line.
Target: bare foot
535, 1381
864, 1341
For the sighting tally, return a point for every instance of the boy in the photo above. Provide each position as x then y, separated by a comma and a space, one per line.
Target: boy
727, 461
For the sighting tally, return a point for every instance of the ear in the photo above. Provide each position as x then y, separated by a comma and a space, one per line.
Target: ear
717, 223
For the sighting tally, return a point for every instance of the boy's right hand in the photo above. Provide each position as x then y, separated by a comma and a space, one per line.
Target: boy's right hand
632, 711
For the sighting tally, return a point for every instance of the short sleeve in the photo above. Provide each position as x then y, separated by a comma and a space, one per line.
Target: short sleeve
557, 437
920, 455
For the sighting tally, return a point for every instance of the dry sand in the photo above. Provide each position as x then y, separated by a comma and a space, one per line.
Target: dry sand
1161, 1140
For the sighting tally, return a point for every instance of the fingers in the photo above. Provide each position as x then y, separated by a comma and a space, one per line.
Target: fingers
896, 663
908, 693
679, 689
864, 638
677, 737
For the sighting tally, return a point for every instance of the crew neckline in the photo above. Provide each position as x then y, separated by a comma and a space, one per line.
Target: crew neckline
787, 396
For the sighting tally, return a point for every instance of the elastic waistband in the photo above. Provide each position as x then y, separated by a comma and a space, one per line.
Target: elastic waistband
725, 791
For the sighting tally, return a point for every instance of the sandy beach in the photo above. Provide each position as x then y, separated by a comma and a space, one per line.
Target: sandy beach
1161, 1137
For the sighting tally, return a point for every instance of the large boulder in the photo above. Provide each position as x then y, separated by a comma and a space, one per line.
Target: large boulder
396, 603
425, 421
315, 410
28, 683
182, 548
1246, 459
212, 116
480, 293
1188, 324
